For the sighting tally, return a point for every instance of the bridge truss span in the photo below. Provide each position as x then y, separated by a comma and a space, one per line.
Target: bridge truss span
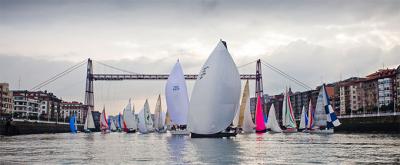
109, 77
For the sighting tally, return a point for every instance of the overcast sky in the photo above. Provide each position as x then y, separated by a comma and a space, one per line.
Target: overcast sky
314, 41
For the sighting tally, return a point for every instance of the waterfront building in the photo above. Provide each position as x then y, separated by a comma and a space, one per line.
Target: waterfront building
25, 106
73, 108
6, 99
397, 89
48, 105
350, 96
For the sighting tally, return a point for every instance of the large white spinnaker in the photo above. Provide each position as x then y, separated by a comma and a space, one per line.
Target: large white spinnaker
216, 94
177, 96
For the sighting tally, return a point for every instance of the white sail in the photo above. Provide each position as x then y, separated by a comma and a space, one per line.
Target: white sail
112, 125
272, 123
142, 122
303, 118
248, 124
158, 119
89, 122
216, 93
148, 118
236, 118
288, 119
176, 96
319, 114
129, 119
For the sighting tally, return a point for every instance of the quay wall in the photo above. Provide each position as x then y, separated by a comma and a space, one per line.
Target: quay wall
370, 124
10, 128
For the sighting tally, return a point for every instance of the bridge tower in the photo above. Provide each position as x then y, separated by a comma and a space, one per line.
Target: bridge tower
259, 87
89, 97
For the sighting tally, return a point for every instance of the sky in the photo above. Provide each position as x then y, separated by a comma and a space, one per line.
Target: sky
314, 41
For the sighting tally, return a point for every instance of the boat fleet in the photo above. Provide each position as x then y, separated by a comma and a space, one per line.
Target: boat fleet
217, 107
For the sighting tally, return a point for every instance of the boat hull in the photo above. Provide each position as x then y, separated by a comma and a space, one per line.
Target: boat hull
216, 135
290, 130
179, 132
319, 131
261, 131
131, 131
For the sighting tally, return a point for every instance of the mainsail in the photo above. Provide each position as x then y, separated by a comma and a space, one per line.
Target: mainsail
103, 120
158, 122
287, 112
303, 119
72, 124
142, 122
239, 118
148, 118
310, 116
89, 122
176, 96
248, 124
272, 123
216, 94
129, 118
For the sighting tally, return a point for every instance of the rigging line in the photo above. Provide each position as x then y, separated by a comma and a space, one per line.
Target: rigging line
56, 78
112, 67
287, 76
62, 73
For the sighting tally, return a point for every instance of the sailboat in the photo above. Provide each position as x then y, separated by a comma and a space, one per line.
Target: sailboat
215, 96
260, 124
177, 100
89, 122
158, 117
120, 122
272, 123
103, 121
303, 119
167, 120
325, 118
130, 124
73, 125
310, 117
145, 124
113, 128
288, 120
242, 120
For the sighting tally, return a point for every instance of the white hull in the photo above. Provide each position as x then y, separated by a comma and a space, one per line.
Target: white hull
179, 132
318, 131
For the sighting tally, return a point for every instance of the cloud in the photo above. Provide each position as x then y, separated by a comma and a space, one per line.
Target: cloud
311, 40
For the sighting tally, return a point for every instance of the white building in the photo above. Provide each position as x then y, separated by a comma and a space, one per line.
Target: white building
25, 107
385, 88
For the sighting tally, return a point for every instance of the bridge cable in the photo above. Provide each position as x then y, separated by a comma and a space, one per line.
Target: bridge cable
115, 68
59, 75
241, 66
286, 75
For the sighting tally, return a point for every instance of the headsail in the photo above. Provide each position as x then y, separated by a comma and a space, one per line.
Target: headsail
148, 118
310, 116
129, 118
272, 123
103, 120
89, 122
288, 119
158, 122
72, 124
303, 119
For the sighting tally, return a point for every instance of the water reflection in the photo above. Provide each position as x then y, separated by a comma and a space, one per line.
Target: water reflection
209, 151
122, 148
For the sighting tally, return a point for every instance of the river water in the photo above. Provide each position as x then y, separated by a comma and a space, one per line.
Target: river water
121, 148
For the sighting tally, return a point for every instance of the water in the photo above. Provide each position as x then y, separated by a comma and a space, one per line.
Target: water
121, 148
